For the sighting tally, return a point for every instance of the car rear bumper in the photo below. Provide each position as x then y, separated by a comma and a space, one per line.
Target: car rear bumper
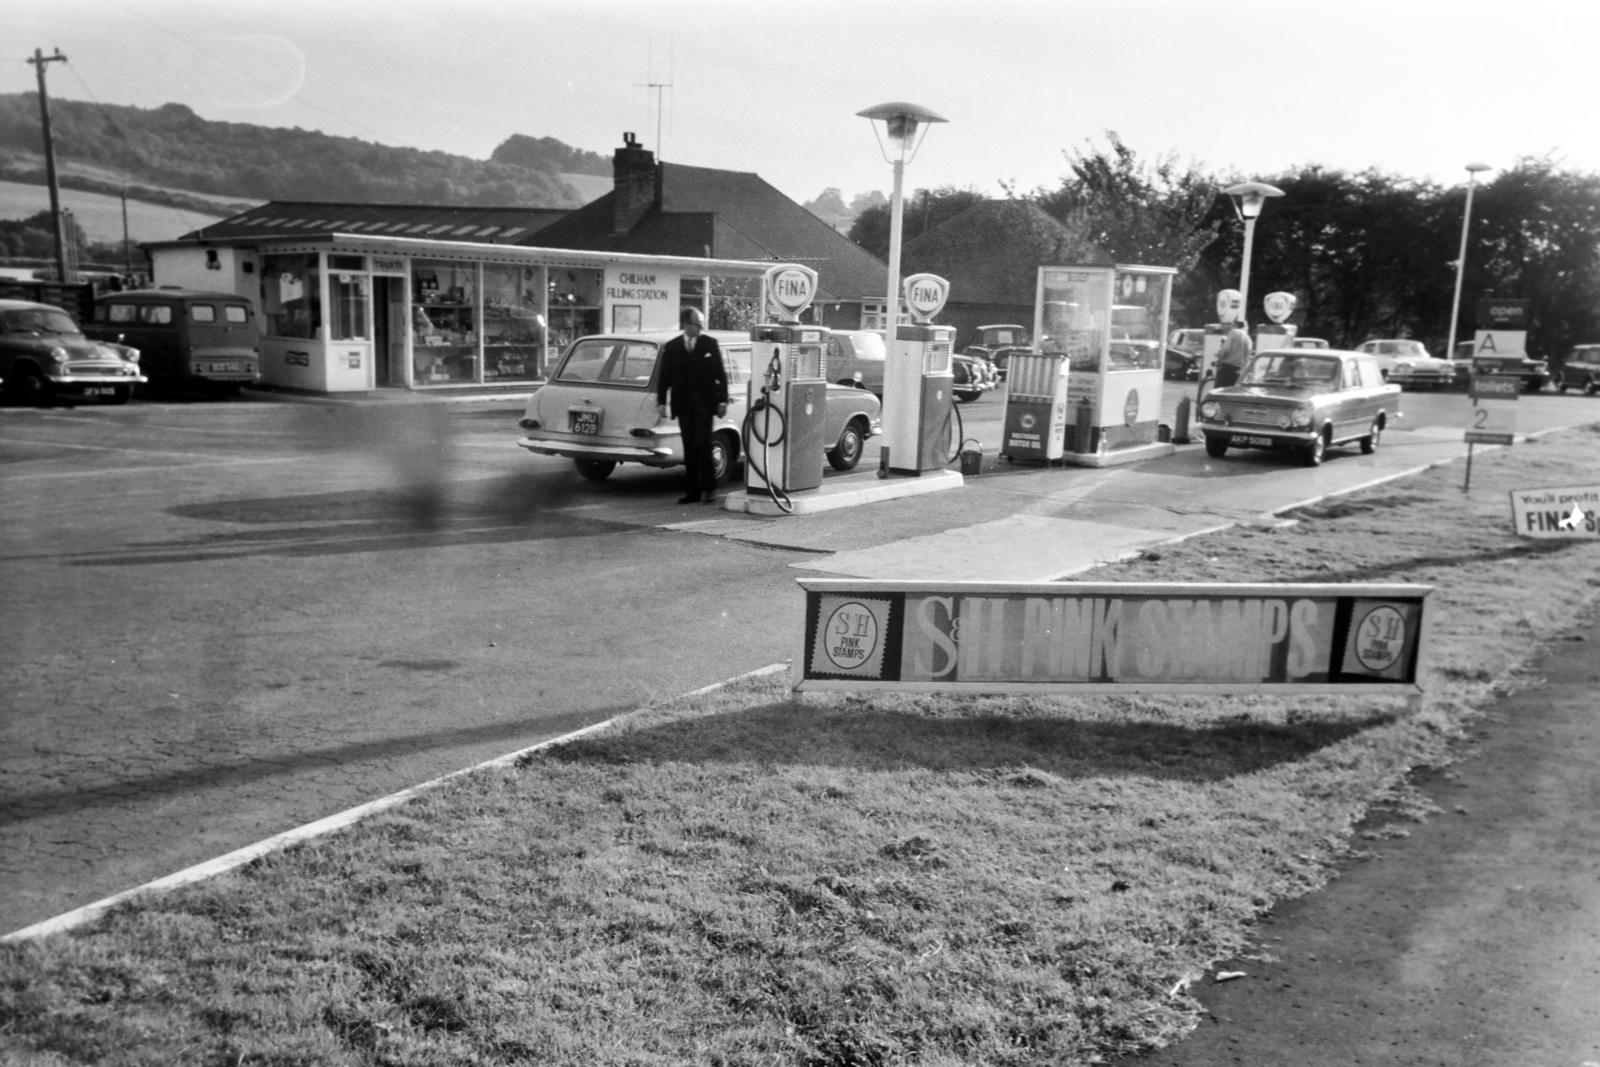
657, 456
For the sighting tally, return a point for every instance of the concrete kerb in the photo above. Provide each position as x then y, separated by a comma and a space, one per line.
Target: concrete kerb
349, 817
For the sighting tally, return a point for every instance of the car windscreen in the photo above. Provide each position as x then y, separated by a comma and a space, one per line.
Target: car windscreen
1003, 337
1308, 371
43, 320
869, 346
609, 362
1401, 348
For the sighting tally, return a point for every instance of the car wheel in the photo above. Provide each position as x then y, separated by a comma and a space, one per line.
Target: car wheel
1369, 443
1217, 444
596, 470
1561, 386
847, 453
1314, 452
31, 388
1590, 387
722, 453
1533, 385
968, 395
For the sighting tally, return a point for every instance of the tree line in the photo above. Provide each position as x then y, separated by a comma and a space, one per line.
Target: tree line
1368, 253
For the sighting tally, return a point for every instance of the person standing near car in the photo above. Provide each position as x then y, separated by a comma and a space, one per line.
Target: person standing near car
1233, 355
693, 372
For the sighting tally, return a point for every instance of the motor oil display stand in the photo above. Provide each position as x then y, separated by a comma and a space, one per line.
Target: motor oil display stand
785, 424
1090, 393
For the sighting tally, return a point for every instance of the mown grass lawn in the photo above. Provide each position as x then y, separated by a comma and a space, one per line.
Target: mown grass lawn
737, 879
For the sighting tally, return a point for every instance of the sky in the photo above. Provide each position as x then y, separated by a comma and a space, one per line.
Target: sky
1415, 88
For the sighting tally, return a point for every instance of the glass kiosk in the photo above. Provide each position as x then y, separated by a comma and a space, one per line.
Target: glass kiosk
1108, 326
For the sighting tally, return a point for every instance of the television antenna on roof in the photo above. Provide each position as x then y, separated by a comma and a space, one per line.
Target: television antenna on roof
650, 84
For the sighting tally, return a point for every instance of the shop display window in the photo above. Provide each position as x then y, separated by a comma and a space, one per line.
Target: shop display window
291, 295
1136, 322
574, 306
444, 309
1072, 313
514, 330
348, 295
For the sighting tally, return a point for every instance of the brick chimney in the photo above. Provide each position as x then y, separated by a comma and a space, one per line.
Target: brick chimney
633, 177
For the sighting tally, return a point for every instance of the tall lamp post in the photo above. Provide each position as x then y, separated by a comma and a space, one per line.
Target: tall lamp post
1473, 170
1248, 199
900, 121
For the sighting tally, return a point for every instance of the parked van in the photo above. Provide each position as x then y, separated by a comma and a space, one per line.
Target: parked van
185, 337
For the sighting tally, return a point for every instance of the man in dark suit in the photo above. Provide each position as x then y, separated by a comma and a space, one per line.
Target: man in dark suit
693, 371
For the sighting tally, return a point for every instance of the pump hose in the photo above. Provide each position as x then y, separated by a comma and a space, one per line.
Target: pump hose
775, 491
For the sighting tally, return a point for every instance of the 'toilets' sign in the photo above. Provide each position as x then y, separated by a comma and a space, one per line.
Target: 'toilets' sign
1053, 636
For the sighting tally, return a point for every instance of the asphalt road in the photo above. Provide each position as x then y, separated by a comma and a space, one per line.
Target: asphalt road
225, 619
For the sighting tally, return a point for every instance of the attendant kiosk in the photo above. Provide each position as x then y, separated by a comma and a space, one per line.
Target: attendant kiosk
1109, 326
788, 392
918, 385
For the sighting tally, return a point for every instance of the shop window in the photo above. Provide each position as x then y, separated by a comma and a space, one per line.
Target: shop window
444, 308
347, 262
574, 305
514, 328
348, 295
291, 295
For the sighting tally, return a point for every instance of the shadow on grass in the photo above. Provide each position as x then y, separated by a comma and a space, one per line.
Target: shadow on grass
875, 740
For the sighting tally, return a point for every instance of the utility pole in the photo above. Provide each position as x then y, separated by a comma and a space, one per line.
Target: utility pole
39, 60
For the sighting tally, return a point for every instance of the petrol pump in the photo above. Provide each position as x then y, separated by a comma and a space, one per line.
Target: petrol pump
786, 418
1230, 305
1276, 334
918, 385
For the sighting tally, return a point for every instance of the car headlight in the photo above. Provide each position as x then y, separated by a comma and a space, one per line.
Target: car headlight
1300, 418
1210, 409
130, 354
58, 355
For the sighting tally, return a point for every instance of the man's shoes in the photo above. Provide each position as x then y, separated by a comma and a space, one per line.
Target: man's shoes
692, 498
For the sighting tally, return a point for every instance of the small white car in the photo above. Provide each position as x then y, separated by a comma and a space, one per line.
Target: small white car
1405, 362
599, 408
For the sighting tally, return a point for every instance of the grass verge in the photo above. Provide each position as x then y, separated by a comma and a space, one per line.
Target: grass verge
735, 880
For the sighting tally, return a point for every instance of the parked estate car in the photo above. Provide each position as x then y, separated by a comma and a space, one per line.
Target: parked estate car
184, 336
1181, 364
1191, 340
44, 357
995, 343
974, 375
1533, 372
1304, 400
857, 357
1580, 370
1406, 362
599, 408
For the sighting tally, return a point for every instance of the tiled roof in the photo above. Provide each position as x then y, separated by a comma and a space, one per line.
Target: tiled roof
294, 218
991, 253
727, 214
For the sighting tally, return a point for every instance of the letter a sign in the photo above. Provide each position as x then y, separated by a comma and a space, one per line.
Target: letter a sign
790, 288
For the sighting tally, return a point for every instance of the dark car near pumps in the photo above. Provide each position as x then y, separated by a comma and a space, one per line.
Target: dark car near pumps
185, 337
44, 358
1533, 372
1306, 400
995, 343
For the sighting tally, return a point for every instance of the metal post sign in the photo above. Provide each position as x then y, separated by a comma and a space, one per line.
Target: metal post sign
1110, 637
1492, 418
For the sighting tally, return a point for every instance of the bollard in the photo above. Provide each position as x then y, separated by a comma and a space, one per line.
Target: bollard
1180, 429
1085, 428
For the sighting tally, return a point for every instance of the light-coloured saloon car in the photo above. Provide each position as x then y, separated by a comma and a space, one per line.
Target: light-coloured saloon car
1406, 362
599, 408
1303, 399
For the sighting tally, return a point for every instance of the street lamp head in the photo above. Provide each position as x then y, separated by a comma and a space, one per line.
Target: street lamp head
1248, 197
901, 121
1474, 168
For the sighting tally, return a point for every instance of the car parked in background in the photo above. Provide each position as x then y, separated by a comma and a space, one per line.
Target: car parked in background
1308, 401
598, 408
44, 358
1406, 362
1580, 370
185, 337
995, 343
857, 357
974, 376
1533, 372
1181, 364
1308, 342
1188, 339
